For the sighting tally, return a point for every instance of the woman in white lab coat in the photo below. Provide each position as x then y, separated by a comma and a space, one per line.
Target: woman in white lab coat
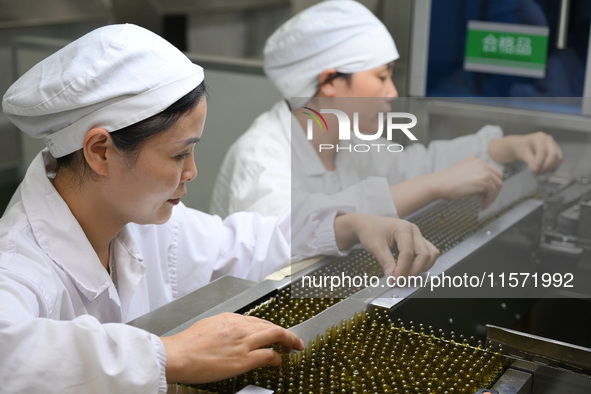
99, 235
339, 49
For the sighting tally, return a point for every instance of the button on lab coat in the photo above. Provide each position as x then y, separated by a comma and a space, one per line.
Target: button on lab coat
61, 314
270, 165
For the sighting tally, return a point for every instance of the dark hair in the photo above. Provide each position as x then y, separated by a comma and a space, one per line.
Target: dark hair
345, 76
130, 139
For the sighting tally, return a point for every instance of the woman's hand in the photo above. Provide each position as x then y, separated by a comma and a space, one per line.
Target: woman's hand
379, 235
471, 176
538, 150
223, 346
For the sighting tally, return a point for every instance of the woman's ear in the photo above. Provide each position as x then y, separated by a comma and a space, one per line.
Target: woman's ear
97, 144
326, 85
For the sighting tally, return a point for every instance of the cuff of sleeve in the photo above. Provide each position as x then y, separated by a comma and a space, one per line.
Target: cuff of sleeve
381, 202
312, 226
161, 357
326, 235
486, 135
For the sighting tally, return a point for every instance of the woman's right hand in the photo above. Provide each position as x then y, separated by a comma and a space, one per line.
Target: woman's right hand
223, 346
380, 235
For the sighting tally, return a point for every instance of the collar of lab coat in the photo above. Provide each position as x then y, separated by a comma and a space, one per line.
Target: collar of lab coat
59, 234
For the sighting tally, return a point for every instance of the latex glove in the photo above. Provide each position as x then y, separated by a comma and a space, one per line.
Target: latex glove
223, 346
471, 176
380, 235
538, 150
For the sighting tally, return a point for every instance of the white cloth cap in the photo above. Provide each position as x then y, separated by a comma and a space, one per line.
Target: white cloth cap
340, 34
111, 78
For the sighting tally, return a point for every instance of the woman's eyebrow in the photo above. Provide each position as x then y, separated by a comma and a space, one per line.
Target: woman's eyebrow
190, 141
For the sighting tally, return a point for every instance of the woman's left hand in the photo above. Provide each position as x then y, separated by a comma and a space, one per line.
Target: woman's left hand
538, 150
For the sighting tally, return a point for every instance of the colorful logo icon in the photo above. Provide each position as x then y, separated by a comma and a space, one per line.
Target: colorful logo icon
316, 117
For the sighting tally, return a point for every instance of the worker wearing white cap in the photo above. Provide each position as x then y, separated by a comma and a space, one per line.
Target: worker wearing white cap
96, 234
338, 48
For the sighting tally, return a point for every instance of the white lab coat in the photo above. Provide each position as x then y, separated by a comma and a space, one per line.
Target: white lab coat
269, 165
61, 315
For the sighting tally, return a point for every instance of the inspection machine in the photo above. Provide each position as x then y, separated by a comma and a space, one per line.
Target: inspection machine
506, 306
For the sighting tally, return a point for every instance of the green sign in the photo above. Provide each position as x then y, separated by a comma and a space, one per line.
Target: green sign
504, 48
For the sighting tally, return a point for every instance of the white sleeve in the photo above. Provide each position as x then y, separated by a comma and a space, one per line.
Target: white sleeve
72, 356
369, 196
245, 245
249, 245
312, 222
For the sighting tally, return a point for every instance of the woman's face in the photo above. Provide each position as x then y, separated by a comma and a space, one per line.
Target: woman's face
145, 191
374, 91
376, 82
